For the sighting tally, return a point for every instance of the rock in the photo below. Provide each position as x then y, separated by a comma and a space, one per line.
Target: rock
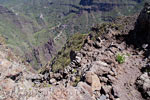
144, 46
106, 89
57, 76
8, 86
102, 63
86, 87
52, 81
114, 92
142, 26
46, 75
102, 97
73, 78
81, 92
88, 77
93, 80
146, 85
114, 71
72, 55
143, 83
111, 78
103, 79
100, 70
78, 59
97, 45
51, 74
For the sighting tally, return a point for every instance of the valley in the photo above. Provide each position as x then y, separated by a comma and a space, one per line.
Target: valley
37, 29
111, 61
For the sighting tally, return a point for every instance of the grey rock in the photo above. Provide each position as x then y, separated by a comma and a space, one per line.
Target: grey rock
52, 81
78, 59
57, 76
111, 78
107, 88
102, 97
73, 78
103, 79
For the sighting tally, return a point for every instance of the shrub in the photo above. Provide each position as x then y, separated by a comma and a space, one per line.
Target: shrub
77, 80
120, 58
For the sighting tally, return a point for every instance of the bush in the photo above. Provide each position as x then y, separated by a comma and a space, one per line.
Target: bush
120, 58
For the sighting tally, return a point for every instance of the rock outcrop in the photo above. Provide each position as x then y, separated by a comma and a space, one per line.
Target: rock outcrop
142, 34
142, 26
143, 84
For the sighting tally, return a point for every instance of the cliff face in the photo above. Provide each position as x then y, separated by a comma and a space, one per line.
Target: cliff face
41, 55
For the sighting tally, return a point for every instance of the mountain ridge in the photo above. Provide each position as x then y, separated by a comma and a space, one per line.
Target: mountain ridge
34, 23
108, 64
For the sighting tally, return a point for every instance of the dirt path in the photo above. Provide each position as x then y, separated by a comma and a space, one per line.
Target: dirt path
127, 75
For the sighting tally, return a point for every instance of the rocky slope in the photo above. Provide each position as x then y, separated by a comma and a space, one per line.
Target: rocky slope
30, 25
111, 60
107, 66
21, 82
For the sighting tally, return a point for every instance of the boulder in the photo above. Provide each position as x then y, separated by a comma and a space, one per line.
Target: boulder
93, 80
143, 83
81, 92
86, 87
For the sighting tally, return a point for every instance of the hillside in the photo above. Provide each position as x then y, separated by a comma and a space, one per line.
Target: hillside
109, 63
37, 29
113, 60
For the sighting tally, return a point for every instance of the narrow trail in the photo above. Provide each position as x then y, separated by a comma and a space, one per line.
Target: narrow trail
128, 74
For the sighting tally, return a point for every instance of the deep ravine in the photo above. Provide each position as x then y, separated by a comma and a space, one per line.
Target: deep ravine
113, 64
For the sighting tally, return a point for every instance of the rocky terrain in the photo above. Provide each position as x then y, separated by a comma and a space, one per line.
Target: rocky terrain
112, 64
30, 25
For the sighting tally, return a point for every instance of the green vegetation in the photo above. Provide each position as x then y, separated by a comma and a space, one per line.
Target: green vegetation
120, 58
74, 71
77, 80
30, 89
74, 43
100, 29
2, 40
29, 24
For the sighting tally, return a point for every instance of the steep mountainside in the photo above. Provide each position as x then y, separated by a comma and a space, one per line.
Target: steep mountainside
30, 26
106, 64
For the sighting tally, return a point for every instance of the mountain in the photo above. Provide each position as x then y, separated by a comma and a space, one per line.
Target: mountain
37, 29
113, 60
109, 63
